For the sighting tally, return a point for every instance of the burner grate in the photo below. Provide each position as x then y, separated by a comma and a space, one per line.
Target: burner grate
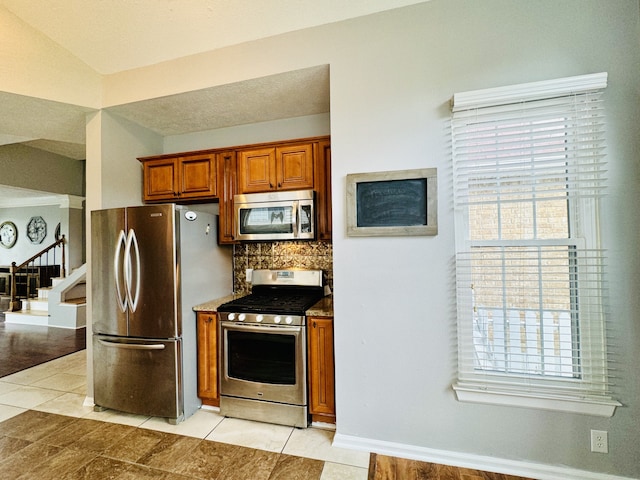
274, 302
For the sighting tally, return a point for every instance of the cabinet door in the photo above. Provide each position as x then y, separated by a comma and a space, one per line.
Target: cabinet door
321, 370
207, 328
198, 176
322, 179
294, 167
256, 170
160, 179
227, 188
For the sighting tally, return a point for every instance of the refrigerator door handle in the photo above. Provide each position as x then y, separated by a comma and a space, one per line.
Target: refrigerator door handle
132, 298
132, 346
122, 300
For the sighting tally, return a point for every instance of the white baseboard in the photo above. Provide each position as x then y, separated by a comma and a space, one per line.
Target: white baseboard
23, 317
210, 408
477, 462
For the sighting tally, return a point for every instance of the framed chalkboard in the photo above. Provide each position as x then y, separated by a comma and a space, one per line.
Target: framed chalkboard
397, 203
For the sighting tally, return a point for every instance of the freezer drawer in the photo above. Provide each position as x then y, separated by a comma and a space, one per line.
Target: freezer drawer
141, 376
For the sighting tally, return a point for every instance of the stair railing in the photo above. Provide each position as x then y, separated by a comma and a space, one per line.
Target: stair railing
29, 267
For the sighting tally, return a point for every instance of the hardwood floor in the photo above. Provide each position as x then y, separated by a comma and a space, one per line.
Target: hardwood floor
24, 346
382, 467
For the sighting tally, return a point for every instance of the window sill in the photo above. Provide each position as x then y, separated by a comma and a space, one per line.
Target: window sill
477, 393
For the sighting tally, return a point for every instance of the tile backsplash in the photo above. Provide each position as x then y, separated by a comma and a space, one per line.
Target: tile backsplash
274, 255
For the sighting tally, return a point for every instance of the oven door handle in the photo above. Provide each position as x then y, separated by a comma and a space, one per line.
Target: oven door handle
261, 328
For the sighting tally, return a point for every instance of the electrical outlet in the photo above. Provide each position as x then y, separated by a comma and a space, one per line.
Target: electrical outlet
599, 441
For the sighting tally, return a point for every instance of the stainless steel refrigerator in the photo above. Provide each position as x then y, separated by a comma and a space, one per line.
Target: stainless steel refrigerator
150, 266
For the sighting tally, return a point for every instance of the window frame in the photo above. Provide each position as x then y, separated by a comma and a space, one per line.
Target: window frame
527, 389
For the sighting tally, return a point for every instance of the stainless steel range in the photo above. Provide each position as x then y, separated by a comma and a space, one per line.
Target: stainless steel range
263, 358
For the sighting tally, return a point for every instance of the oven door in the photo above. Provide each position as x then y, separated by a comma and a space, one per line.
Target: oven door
263, 363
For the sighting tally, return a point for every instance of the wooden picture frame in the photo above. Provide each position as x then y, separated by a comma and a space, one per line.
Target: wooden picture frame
395, 203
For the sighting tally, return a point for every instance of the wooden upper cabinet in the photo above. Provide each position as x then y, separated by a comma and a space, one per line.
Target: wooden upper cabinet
322, 187
287, 167
219, 174
178, 178
198, 176
227, 188
294, 167
160, 179
256, 170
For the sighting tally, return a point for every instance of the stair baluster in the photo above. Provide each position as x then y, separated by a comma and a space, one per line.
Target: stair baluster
28, 268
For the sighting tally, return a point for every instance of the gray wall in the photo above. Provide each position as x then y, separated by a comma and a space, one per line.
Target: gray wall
23, 249
395, 318
71, 223
35, 169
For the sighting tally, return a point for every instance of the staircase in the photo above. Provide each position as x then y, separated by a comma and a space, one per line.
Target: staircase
62, 305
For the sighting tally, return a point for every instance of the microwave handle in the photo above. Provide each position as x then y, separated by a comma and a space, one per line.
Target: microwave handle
296, 218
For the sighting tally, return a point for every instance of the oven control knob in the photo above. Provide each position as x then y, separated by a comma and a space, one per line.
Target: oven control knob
241, 317
288, 320
259, 318
278, 319
232, 316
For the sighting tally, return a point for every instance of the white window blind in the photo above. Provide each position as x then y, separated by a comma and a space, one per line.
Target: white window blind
530, 271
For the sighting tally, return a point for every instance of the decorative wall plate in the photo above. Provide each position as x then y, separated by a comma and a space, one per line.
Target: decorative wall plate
36, 229
8, 234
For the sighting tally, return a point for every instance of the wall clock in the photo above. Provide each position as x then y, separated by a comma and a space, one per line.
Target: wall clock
36, 229
8, 234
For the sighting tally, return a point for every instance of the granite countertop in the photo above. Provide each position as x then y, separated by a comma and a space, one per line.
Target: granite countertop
324, 308
212, 305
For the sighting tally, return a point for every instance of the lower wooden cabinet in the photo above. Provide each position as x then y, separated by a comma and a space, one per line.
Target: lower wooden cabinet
207, 328
322, 404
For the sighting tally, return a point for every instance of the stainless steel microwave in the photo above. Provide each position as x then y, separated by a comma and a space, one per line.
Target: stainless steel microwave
288, 215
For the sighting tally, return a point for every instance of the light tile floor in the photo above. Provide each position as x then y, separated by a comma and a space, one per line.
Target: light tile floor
59, 387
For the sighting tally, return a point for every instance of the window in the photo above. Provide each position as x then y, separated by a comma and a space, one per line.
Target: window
529, 171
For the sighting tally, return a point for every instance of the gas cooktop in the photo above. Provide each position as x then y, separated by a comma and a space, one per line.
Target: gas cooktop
279, 292
275, 301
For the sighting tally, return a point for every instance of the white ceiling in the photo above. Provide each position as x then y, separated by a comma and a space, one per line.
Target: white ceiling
115, 35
